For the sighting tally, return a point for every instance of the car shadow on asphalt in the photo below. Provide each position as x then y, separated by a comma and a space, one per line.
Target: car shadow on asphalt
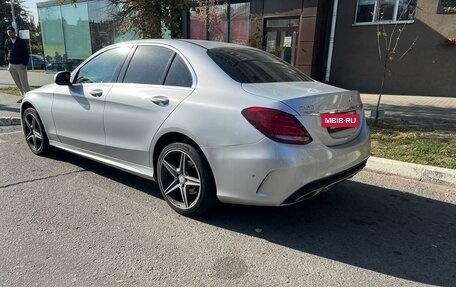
383, 230
136, 182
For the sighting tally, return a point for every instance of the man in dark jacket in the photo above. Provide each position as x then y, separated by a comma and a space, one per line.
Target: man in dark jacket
17, 56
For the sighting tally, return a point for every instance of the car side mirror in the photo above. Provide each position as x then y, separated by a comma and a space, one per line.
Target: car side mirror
62, 78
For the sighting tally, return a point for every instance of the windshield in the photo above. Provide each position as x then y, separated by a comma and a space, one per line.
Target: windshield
246, 65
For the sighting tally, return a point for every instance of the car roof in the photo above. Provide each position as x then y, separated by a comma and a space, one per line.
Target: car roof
186, 42
194, 52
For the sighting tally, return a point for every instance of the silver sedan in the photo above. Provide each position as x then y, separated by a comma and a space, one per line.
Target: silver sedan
209, 121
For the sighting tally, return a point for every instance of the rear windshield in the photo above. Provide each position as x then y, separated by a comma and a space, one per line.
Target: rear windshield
246, 65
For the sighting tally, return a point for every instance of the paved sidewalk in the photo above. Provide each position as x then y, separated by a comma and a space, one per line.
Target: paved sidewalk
36, 79
9, 110
435, 113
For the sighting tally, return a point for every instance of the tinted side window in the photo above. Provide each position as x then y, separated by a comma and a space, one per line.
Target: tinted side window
104, 67
148, 65
179, 74
246, 65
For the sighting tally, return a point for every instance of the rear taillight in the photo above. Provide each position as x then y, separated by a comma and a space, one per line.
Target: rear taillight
277, 125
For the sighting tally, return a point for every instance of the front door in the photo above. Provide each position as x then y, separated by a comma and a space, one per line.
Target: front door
78, 109
78, 115
282, 38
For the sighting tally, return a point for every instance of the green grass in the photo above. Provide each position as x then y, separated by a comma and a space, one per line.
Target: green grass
414, 145
13, 90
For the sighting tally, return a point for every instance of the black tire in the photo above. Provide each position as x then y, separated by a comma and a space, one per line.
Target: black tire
185, 179
34, 132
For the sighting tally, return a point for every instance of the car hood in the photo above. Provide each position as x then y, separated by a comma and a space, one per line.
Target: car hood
46, 89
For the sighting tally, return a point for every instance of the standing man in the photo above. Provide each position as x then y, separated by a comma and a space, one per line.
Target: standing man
17, 56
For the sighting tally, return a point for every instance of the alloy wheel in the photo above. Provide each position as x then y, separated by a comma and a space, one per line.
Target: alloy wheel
33, 132
180, 179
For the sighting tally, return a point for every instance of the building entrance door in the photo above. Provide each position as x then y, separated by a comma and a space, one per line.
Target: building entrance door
282, 38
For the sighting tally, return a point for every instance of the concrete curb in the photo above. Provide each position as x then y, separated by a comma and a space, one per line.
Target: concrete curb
10, 121
411, 170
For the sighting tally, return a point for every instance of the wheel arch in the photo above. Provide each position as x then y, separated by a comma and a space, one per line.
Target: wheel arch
172, 137
25, 106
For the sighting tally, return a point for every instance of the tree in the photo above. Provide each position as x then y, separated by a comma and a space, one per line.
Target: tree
388, 45
257, 39
22, 16
148, 17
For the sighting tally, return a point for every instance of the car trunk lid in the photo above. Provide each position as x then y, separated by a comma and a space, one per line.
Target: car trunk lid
310, 101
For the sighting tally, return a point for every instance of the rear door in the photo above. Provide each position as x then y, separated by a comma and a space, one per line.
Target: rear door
156, 81
78, 109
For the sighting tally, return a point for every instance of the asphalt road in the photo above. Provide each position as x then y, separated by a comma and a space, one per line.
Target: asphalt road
67, 221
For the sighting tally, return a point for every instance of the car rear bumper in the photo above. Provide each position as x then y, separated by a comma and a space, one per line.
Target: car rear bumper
315, 187
272, 174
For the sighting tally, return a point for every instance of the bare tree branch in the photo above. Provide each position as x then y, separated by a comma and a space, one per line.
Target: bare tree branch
409, 49
378, 43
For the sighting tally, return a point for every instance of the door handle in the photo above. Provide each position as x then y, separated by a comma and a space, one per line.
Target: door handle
96, 93
160, 101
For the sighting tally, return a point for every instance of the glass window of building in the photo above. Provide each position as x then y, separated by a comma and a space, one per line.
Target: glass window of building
239, 23
374, 11
101, 24
76, 31
71, 33
198, 28
447, 7
223, 22
280, 23
218, 23
52, 35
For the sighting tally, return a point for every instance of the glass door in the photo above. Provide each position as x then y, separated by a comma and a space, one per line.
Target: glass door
282, 38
